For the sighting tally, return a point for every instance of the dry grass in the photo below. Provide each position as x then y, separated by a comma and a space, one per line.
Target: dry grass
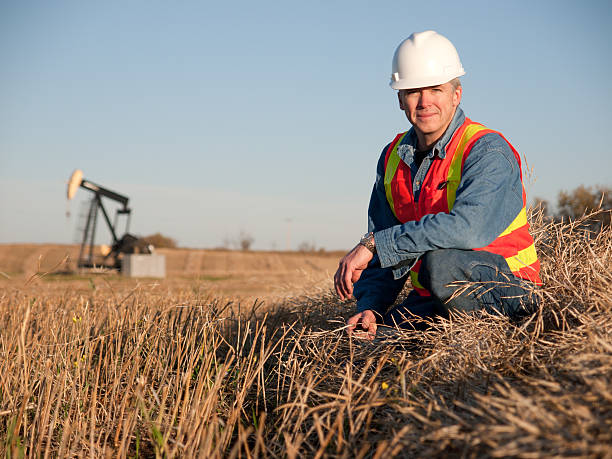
143, 372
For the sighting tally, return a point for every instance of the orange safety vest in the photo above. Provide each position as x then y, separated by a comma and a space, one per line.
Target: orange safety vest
438, 193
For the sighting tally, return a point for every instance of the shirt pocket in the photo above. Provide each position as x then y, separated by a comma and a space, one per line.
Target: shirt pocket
433, 199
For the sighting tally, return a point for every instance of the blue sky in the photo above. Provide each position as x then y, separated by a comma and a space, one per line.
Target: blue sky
216, 118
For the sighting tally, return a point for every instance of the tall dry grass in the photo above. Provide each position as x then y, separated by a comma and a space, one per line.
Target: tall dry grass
147, 372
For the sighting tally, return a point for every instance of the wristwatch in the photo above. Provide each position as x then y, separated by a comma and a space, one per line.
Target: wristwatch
368, 242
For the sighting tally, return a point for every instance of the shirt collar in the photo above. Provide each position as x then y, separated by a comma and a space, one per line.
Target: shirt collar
408, 145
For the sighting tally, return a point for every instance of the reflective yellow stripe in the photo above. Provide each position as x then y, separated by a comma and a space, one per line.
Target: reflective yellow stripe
390, 170
414, 278
524, 258
519, 221
454, 171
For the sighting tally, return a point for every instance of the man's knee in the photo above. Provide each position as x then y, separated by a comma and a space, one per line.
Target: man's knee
439, 269
443, 271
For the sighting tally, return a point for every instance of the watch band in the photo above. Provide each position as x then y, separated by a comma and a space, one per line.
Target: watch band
368, 242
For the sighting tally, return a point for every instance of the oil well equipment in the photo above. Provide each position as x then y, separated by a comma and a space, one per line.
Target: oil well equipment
119, 254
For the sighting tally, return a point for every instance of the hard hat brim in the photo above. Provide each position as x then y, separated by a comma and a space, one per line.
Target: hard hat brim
414, 83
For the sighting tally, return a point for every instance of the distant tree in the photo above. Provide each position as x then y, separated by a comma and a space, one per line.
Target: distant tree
158, 241
584, 200
539, 203
245, 240
307, 247
242, 241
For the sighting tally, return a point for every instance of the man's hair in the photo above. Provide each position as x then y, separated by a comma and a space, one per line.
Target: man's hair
455, 83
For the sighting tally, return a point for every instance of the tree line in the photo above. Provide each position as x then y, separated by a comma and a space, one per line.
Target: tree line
595, 201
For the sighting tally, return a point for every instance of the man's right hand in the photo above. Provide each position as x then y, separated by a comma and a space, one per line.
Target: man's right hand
363, 324
349, 270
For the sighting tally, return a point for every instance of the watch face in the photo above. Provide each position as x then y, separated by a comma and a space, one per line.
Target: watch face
368, 241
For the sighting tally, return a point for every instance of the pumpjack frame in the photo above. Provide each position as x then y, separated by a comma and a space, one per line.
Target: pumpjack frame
124, 244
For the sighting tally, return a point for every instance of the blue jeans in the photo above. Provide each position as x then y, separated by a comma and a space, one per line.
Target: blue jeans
495, 290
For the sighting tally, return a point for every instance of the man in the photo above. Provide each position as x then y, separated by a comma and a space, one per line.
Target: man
448, 207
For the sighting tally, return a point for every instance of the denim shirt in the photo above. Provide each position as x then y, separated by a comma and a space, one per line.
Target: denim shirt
489, 198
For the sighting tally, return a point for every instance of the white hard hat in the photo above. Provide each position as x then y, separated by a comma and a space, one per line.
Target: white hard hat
424, 59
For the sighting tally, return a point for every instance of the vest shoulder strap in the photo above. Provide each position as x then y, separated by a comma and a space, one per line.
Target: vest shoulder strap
392, 160
471, 133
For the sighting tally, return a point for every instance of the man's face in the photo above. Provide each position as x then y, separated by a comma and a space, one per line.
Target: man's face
430, 109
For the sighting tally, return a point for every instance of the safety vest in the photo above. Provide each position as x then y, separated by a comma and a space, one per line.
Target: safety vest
438, 193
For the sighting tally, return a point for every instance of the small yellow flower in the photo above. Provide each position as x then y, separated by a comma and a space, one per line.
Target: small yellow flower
384, 385
76, 319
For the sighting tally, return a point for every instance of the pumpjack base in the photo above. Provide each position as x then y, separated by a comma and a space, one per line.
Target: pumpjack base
143, 265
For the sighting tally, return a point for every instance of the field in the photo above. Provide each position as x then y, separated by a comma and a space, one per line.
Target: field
243, 276
244, 355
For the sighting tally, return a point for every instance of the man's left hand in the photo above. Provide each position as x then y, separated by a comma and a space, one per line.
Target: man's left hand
349, 270
363, 324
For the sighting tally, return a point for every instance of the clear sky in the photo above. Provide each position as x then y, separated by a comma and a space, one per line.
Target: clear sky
268, 117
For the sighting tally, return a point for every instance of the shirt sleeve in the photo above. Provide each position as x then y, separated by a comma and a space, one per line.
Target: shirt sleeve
377, 288
488, 199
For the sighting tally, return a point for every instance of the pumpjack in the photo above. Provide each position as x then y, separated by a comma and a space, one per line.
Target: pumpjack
126, 244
